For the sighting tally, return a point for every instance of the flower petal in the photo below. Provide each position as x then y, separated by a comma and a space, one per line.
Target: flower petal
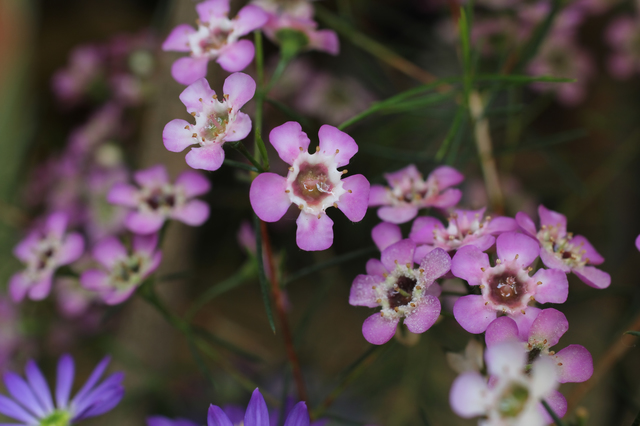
501, 224
257, 413
217, 417
39, 385
240, 88
145, 244
467, 395
10, 409
177, 135
422, 229
362, 292
56, 224
590, 252
212, 8
268, 197
152, 177
512, 245
19, 284
239, 128
502, 329
144, 223
549, 326
444, 200
22, 393
399, 214
398, 253
421, 252
64, 380
299, 416
551, 218
434, 265
95, 280
380, 196
593, 277
123, 194
109, 251
472, 314
209, 157
325, 41
554, 287
71, 250
187, 70
558, 404
289, 141
193, 183
314, 233
574, 364
526, 224
378, 330
178, 39
248, 19
375, 267
194, 213
525, 321
467, 264
237, 56
446, 176
424, 316
553, 261
354, 202
338, 143
384, 234
505, 359
40, 289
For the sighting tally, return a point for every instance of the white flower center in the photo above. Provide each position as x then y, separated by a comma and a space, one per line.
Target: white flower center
401, 291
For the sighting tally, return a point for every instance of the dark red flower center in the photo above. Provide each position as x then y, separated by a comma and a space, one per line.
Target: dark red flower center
312, 183
506, 289
159, 199
401, 293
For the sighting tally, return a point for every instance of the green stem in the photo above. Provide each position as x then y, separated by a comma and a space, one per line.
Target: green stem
552, 413
239, 165
239, 146
260, 94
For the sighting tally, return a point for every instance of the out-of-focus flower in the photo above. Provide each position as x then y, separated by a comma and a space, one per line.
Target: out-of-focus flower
401, 290
563, 250
102, 218
507, 287
157, 200
313, 184
31, 401
73, 300
217, 37
466, 227
123, 272
573, 363
622, 35
86, 66
408, 192
469, 360
512, 396
638, 242
43, 251
164, 421
218, 120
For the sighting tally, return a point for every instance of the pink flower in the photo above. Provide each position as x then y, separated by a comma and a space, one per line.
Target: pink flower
573, 363
218, 120
313, 184
562, 250
622, 35
507, 287
217, 38
43, 251
402, 291
638, 242
86, 65
72, 299
408, 192
512, 395
466, 227
157, 200
123, 272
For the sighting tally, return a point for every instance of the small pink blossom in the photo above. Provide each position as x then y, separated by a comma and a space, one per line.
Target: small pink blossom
622, 36
73, 300
506, 287
86, 66
217, 37
638, 242
156, 200
218, 120
43, 251
402, 291
122, 271
573, 363
408, 192
313, 184
562, 250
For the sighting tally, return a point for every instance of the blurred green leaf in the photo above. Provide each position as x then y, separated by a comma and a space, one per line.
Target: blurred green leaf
264, 283
633, 333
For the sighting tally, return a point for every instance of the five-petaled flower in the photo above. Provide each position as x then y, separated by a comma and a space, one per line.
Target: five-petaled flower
506, 287
218, 120
402, 291
44, 250
562, 250
313, 183
123, 271
157, 200
217, 37
408, 192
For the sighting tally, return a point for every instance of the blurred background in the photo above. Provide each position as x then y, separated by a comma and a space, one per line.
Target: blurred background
574, 150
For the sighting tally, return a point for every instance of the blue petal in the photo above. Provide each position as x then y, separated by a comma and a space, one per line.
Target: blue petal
299, 416
217, 417
257, 413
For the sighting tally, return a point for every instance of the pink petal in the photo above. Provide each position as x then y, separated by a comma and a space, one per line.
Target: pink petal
593, 277
446, 199
192, 97
109, 251
554, 287
18, 286
362, 292
41, 288
467, 264
325, 41
472, 314
510, 245
338, 143
118, 296
268, 197
56, 224
501, 224
177, 135
483, 243
526, 224
123, 194
208, 157
577, 364
446, 176
144, 223
239, 128
506, 359
314, 233
398, 253
551, 218
194, 213
187, 70
289, 141
502, 329
71, 249
551, 260
248, 19
240, 88
590, 253
145, 244
178, 39
384, 234
379, 330
193, 183
422, 229
467, 395
95, 280
153, 177
212, 8
25, 248
558, 404
397, 177
400, 214
421, 252
638, 242
354, 202
237, 56
380, 196
525, 321
550, 325
435, 264
375, 267
424, 316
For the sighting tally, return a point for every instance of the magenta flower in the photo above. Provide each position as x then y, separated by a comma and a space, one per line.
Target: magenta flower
512, 395
507, 287
217, 38
402, 291
573, 363
72, 299
408, 192
157, 200
313, 184
43, 251
562, 250
622, 35
466, 227
123, 271
218, 120
638, 242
